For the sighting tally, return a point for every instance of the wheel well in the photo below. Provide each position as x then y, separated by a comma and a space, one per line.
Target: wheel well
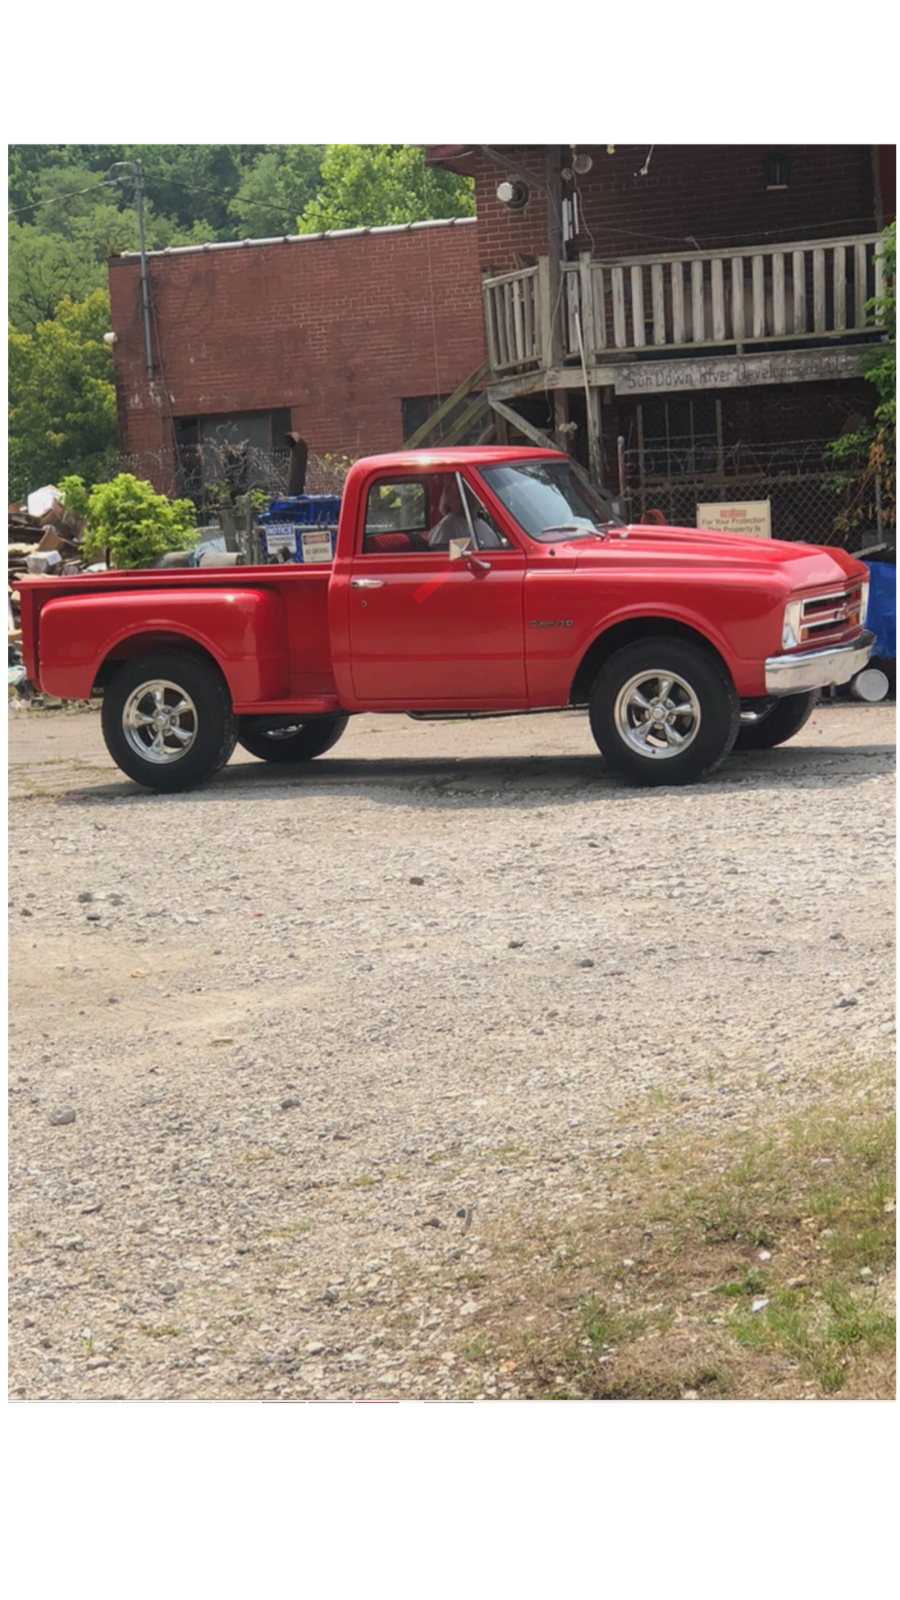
628, 632
144, 644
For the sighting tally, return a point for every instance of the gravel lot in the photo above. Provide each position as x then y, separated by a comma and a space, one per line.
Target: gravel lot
288, 1050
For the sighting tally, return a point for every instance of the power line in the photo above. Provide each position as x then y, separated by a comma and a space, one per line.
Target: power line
107, 183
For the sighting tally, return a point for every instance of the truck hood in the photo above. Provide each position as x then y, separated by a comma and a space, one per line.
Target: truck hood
805, 566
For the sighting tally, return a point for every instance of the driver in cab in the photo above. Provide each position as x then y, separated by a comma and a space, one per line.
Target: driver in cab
454, 523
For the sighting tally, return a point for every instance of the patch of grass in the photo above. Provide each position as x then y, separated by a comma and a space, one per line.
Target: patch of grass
477, 1352
365, 1181
761, 1270
506, 1155
472, 1278
166, 1331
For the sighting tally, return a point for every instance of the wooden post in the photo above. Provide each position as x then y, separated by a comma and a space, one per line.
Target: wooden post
554, 253
544, 307
560, 419
595, 435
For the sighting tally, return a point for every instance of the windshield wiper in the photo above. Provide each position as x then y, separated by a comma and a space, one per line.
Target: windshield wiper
577, 528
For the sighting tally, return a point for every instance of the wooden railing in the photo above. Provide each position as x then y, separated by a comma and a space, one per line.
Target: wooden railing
813, 292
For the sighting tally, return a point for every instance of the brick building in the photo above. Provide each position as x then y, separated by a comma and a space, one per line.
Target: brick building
345, 338
682, 315
676, 317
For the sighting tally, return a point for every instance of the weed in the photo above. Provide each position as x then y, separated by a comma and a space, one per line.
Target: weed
812, 1194
476, 1352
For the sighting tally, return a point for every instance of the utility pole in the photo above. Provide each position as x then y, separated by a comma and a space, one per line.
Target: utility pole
135, 169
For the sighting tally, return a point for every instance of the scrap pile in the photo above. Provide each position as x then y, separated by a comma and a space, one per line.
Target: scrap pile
43, 542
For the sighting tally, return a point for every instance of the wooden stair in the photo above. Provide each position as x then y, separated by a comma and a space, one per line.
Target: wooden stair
478, 411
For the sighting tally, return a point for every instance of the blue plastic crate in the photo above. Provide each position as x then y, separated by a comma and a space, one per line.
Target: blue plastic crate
312, 510
300, 528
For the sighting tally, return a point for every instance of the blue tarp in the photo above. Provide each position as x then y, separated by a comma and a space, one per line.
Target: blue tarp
882, 618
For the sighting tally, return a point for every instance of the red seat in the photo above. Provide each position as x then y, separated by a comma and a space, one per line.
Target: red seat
388, 541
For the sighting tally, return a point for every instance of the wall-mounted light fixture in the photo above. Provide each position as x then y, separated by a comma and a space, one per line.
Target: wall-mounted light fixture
513, 193
778, 172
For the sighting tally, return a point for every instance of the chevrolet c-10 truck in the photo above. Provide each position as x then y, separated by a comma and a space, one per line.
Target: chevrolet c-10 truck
464, 581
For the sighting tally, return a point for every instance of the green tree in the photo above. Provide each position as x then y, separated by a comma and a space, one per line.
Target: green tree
195, 182
868, 456
275, 189
374, 185
45, 269
126, 521
62, 402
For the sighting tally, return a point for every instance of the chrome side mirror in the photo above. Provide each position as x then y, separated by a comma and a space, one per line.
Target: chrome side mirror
460, 548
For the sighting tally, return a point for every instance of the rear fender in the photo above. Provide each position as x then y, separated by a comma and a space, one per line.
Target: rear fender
242, 630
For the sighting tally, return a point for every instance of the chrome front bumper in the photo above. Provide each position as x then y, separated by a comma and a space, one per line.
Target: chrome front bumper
815, 669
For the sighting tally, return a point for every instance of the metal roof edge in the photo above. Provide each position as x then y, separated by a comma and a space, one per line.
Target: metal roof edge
300, 238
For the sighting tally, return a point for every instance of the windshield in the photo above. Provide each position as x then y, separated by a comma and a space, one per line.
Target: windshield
548, 502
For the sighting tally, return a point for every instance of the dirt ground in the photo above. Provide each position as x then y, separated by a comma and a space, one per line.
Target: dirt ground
286, 1052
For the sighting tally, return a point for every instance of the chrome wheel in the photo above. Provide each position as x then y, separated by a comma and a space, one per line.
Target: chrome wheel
159, 721
657, 714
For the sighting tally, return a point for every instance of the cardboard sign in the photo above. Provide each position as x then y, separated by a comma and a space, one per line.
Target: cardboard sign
752, 519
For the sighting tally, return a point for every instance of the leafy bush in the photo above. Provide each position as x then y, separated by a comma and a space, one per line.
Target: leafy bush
868, 456
126, 522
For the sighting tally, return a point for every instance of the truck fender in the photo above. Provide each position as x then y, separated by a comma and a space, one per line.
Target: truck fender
242, 630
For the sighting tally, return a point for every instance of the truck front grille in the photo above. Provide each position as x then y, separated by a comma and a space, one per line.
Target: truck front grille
831, 615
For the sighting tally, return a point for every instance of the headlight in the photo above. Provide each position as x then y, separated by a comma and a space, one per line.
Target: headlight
790, 632
863, 604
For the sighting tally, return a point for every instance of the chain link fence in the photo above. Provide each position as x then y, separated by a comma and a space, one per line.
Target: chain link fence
811, 500
213, 475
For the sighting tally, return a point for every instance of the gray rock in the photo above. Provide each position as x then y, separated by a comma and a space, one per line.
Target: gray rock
62, 1117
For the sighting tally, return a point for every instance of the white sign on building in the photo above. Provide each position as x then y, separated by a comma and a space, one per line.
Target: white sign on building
750, 518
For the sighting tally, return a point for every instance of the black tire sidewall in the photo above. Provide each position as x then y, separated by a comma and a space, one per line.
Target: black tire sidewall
216, 731
710, 681
786, 718
312, 739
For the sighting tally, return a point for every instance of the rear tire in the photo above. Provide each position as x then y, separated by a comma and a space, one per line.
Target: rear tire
664, 711
167, 721
786, 717
301, 742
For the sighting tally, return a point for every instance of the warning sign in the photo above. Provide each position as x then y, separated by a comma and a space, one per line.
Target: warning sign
750, 518
317, 544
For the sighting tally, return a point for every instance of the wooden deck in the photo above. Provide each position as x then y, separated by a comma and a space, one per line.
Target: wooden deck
796, 295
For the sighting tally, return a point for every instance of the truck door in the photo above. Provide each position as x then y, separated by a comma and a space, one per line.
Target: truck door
430, 628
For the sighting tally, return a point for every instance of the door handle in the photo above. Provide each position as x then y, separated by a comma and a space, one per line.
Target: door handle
367, 583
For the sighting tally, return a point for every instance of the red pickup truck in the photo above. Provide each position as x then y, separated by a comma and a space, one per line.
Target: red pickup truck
463, 581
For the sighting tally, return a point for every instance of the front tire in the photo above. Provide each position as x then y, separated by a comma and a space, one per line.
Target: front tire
301, 742
664, 711
785, 718
167, 721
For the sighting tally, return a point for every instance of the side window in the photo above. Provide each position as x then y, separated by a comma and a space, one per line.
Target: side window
396, 517
488, 535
